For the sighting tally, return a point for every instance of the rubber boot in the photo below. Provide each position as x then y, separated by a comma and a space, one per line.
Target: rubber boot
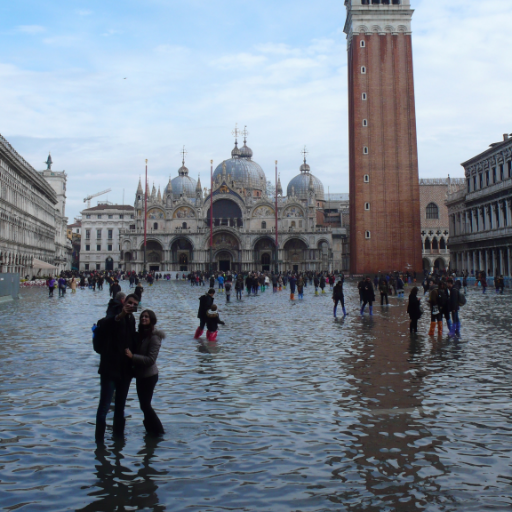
335, 308
439, 328
432, 330
323, 291
362, 310
292, 296
371, 310
211, 336
457, 329
451, 326
316, 292
198, 333
208, 334
344, 311
100, 431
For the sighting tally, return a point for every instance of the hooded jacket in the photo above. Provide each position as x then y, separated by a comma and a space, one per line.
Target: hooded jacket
213, 320
144, 361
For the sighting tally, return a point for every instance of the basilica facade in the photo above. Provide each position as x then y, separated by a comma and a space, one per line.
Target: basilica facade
243, 214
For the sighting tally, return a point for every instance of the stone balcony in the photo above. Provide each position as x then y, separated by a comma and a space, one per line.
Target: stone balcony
489, 234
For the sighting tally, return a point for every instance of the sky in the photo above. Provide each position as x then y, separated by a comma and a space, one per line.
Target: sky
106, 85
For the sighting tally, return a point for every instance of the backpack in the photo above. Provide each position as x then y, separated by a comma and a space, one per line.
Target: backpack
462, 299
100, 335
441, 299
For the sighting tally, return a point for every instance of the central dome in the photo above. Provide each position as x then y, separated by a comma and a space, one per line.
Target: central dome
243, 170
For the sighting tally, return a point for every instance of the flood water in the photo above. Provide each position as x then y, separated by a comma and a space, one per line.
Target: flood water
288, 411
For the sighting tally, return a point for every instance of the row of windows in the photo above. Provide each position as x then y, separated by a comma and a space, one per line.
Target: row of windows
98, 247
379, 2
100, 216
98, 266
110, 233
489, 177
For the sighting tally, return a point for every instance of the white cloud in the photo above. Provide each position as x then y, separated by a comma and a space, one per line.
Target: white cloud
31, 29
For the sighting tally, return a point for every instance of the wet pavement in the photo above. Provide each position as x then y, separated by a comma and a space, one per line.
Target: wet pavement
288, 411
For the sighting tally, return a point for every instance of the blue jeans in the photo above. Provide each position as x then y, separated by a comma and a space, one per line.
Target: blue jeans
108, 386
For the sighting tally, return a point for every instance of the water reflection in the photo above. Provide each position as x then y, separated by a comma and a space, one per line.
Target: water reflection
289, 410
120, 488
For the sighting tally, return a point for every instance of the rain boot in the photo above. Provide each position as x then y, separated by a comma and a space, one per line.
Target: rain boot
432, 330
213, 335
335, 308
457, 328
198, 333
292, 296
371, 310
362, 310
451, 327
439, 328
208, 334
344, 311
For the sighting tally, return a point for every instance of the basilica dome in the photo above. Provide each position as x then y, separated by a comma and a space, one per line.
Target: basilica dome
183, 184
243, 170
300, 184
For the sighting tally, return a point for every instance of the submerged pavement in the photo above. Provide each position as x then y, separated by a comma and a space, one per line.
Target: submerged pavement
288, 411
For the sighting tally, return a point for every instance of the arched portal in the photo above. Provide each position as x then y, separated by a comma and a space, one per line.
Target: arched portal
109, 263
426, 264
154, 255
295, 254
224, 260
225, 213
440, 264
264, 253
182, 253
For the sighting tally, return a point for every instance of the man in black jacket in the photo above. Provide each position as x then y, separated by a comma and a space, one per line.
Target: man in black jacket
205, 303
454, 307
115, 367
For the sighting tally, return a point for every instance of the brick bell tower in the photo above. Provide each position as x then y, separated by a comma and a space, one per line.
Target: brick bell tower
385, 232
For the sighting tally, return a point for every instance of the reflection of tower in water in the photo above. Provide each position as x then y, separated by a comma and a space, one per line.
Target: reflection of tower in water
393, 451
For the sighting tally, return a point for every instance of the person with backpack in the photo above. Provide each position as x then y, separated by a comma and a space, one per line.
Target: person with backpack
227, 288
414, 310
115, 367
454, 307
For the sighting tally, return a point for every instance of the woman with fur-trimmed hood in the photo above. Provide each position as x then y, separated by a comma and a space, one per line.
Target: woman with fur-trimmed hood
149, 341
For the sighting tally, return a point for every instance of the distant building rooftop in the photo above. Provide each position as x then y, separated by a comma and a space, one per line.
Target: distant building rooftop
125, 207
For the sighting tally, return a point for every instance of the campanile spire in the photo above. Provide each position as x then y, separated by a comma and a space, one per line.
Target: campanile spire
383, 155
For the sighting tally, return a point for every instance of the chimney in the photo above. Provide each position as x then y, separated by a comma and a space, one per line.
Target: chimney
505, 136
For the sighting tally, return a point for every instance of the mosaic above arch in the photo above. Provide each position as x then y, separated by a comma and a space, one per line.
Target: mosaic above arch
263, 211
184, 212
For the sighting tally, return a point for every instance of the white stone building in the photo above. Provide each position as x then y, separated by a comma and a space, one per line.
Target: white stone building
27, 216
481, 213
101, 226
244, 222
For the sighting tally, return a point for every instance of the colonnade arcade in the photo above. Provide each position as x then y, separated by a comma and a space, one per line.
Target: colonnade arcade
16, 262
495, 261
229, 252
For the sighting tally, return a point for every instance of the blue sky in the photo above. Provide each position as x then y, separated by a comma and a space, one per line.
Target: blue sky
195, 68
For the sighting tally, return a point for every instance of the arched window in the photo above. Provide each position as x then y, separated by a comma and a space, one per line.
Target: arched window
432, 211
435, 245
427, 244
184, 225
442, 244
155, 225
263, 225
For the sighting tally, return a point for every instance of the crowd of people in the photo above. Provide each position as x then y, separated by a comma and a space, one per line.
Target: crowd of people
129, 349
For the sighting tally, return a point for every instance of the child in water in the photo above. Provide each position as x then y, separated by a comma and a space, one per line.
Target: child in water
212, 323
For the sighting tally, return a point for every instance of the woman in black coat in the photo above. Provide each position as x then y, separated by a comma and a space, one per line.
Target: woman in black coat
367, 295
414, 310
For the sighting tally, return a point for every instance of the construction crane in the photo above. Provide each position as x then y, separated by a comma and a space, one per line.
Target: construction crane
88, 198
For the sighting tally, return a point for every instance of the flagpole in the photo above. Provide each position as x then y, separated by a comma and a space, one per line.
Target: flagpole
277, 244
211, 216
145, 216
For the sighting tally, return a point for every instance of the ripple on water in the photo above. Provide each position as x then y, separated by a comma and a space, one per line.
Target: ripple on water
289, 411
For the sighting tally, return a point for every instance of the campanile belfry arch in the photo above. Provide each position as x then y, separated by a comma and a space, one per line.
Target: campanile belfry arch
383, 155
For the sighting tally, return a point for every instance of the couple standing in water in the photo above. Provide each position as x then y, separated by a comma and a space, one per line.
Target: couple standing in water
127, 351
